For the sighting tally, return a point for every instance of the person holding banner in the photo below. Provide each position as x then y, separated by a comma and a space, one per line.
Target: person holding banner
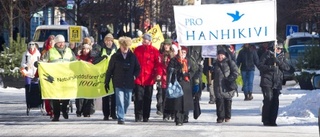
84, 106
123, 69
247, 60
59, 53
271, 66
109, 102
149, 59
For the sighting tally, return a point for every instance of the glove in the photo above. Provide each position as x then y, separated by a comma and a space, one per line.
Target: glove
270, 61
104, 56
35, 64
272, 68
106, 87
195, 89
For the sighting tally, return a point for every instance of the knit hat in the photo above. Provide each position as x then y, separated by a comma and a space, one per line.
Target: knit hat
86, 40
184, 48
92, 39
31, 44
147, 37
279, 45
59, 38
168, 41
86, 46
221, 52
108, 36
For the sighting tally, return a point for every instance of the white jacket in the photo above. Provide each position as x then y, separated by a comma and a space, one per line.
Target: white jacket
28, 62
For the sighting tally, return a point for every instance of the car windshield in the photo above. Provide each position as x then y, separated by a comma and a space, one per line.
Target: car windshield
43, 34
303, 41
296, 52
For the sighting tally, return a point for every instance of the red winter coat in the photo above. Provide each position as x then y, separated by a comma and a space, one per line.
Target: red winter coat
149, 60
85, 58
163, 66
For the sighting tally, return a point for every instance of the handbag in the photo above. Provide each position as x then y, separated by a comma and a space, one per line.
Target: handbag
174, 90
229, 85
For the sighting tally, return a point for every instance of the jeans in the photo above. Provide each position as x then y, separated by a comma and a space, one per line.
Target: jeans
247, 78
123, 99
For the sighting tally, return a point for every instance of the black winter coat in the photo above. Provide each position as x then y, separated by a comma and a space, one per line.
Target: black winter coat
272, 76
123, 71
185, 102
247, 58
222, 71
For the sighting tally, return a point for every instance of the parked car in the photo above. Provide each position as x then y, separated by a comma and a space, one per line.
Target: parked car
44, 31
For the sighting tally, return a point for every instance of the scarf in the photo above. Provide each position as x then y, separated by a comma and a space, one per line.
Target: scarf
32, 51
184, 63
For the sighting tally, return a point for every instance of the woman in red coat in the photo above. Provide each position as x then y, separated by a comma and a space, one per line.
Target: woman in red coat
166, 53
149, 60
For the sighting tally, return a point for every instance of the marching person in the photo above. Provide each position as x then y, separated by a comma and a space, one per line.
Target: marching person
247, 60
59, 53
271, 66
178, 69
166, 53
149, 60
108, 102
84, 105
123, 69
225, 69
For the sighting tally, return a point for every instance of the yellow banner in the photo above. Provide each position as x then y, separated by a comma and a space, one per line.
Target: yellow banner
70, 80
157, 38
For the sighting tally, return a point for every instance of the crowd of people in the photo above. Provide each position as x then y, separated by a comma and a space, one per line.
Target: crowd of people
134, 74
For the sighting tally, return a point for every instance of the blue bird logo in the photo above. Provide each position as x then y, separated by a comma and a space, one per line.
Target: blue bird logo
235, 16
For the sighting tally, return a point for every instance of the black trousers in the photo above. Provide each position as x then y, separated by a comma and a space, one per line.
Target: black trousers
57, 108
84, 106
223, 108
142, 101
160, 98
270, 105
181, 116
109, 106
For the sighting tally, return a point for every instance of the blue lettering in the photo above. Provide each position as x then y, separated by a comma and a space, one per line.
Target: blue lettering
194, 22
202, 35
249, 32
192, 36
227, 34
214, 35
234, 33
266, 31
240, 33
258, 33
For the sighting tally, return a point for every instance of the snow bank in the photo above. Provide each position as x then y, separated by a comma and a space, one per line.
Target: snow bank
305, 106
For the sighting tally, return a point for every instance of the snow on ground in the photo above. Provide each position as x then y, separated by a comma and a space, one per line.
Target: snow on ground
304, 106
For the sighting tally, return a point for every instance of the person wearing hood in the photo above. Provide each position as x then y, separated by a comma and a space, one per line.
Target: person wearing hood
271, 66
123, 69
59, 53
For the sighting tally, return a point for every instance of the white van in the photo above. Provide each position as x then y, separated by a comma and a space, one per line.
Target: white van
44, 31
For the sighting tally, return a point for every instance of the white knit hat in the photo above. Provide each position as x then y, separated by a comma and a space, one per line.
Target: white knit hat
86, 46
59, 38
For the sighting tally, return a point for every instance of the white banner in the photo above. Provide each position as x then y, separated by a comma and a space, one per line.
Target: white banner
235, 23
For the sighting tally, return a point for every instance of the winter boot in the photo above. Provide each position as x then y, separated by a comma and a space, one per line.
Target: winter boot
246, 97
250, 97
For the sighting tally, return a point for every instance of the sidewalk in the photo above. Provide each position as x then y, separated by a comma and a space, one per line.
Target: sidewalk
245, 122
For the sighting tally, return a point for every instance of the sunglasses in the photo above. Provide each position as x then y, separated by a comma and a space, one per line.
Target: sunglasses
279, 48
31, 44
